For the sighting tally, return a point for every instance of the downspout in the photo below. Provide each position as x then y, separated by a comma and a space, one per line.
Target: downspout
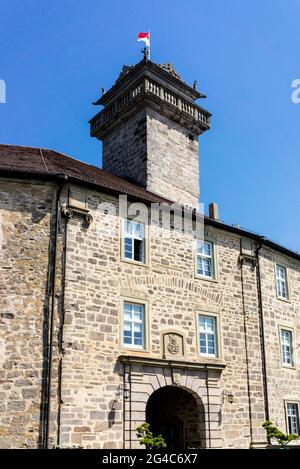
261, 316
64, 178
208, 407
246, 349
61, 331
130, 408
124, 404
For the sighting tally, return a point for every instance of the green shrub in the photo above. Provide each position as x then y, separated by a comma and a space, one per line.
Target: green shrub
273, 433
146, 437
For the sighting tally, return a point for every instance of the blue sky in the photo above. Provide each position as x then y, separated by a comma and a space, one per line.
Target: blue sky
55, 57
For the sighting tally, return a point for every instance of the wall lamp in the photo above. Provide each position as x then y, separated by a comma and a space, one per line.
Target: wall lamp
229, 395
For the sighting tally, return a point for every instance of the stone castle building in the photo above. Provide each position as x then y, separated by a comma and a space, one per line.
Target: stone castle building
108, 318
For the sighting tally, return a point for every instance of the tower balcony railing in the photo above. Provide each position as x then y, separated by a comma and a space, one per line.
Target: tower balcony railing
147, 86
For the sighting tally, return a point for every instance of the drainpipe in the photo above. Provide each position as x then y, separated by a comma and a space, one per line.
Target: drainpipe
261, 315
130, 407
241, 259
124, 404
208, 407
63, 179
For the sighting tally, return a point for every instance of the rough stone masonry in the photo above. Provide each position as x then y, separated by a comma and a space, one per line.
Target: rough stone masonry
66, 377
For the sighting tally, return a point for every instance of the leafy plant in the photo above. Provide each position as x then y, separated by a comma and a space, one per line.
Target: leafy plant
147, 438
274, 433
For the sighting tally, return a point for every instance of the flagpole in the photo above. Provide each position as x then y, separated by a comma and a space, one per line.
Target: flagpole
149, 44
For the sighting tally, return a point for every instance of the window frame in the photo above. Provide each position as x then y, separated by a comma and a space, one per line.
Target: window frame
291, 402
141, 302
213, 257
293, 357
145, 262
218, 341
287, 283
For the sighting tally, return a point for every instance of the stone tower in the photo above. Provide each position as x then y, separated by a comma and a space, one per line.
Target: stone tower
149, 127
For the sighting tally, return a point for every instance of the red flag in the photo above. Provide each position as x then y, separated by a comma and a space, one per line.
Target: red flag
144, 37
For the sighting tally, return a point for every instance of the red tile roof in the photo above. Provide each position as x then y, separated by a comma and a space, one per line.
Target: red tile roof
48, 163
42, 163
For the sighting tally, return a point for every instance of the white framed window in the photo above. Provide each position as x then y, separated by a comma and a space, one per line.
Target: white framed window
281, 282
133, 325
134, 241
208, 343
205, 263
292, 418
286, 344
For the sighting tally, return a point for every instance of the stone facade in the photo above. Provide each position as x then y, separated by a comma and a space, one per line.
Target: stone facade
25, 256
124, 150
158, 154
93, 412
67, 380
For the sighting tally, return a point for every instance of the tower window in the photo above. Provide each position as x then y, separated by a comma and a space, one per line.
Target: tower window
134, 241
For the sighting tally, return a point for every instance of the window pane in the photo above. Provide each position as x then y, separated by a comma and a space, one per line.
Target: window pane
202, 322
200, 247
127, 315
292, 413
127, 333
133, 332
280, 272
281, 281
286, 347
128, 248
138, 328
138, 230
207, 267
205, 259
200, 267
128, 227
134, 241
207, 249
207, 335
127, 306
127, 327
138, 316
210, 324
203, 343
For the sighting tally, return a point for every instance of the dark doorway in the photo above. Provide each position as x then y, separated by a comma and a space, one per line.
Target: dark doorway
175, 413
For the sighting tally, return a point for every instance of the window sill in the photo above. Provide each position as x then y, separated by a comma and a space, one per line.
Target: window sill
132, 262
134, 351
288, 367
285, 300
207, 279
209, 359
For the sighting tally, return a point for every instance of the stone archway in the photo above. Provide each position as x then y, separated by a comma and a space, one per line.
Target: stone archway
174, 412
144, 377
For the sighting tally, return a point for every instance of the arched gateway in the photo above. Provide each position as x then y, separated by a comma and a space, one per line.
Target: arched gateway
181, 400
177, 415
